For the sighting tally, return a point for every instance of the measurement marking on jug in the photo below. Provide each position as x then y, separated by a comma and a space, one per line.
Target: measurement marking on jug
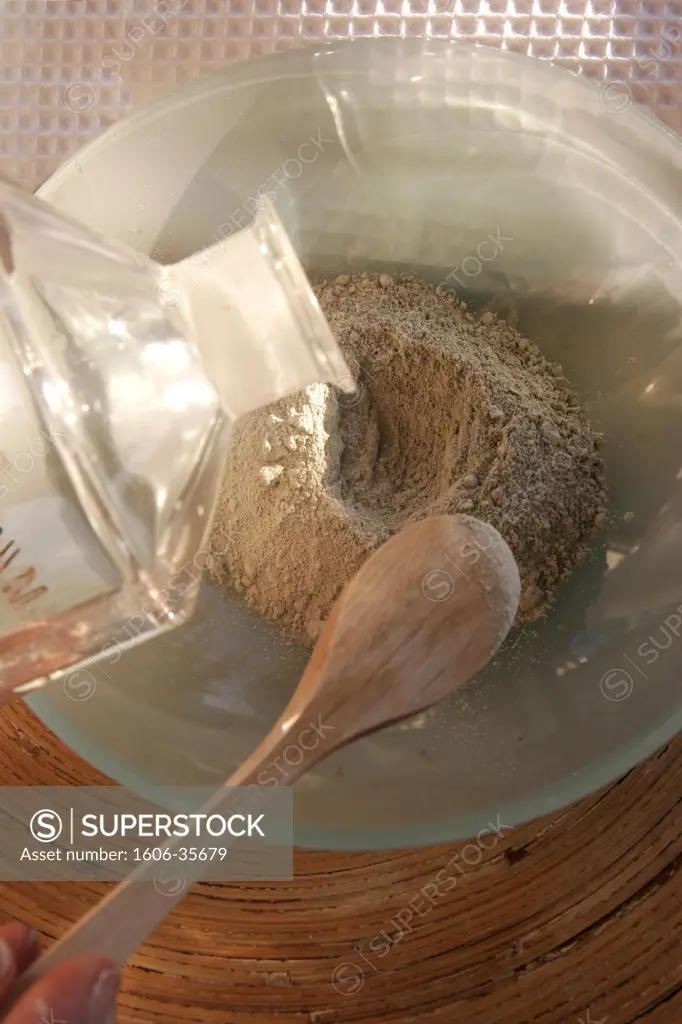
16, 589
8, 548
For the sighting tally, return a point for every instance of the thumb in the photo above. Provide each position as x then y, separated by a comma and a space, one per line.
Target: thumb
80, 991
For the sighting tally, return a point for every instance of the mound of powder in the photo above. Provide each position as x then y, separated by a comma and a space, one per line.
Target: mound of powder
451, 414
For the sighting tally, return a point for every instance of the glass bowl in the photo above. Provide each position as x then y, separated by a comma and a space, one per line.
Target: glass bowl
390, 155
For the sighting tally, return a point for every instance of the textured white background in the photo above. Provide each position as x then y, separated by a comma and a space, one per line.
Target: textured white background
68, 68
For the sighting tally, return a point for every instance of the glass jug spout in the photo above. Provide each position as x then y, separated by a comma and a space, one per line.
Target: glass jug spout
119, 383
258, 326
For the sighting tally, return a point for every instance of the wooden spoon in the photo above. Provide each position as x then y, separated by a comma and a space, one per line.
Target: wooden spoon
421, 617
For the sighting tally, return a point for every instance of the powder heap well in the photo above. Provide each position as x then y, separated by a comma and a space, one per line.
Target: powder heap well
451, 414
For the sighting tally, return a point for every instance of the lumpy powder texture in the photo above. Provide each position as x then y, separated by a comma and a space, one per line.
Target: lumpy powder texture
451, 414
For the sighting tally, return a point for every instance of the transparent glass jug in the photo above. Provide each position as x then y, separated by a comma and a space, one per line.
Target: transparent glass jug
119, 381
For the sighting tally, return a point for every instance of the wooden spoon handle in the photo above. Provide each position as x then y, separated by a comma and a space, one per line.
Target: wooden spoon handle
121, 922
390, 648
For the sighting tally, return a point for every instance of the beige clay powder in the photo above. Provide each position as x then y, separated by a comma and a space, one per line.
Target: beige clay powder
451, 414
